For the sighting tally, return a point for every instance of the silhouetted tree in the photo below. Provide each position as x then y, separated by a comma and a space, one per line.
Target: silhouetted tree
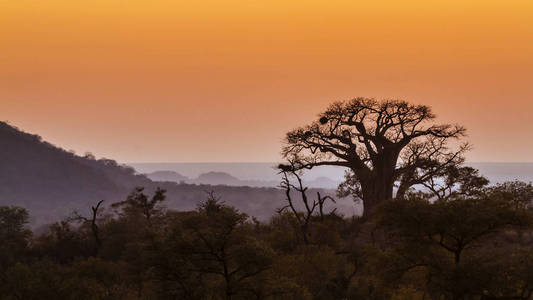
14, 235
458, 244
216, 240
517, 192
379, 142
138, 203
310, 207
63, 243
96, 210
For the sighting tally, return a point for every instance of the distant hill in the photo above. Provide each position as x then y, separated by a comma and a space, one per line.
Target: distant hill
223, 178
265, 174
323, 182
51, 182
167, 176
215, 178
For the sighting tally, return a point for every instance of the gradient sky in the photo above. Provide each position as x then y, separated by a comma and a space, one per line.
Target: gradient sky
224, 80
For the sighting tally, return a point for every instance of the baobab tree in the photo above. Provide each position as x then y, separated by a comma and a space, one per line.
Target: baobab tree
381, 143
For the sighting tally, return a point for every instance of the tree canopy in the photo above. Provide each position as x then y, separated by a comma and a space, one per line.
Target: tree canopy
380, 143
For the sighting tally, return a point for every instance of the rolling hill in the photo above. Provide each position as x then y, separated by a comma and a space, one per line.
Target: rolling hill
51, 182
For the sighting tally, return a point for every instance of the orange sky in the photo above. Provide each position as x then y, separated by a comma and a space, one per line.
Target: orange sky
224, 80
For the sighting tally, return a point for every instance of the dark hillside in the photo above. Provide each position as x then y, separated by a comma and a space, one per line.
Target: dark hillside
51, 182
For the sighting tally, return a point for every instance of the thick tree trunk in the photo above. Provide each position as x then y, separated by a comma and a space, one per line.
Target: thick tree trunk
378, 186
374, 193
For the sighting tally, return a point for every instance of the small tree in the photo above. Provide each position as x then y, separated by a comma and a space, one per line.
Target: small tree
96, 210
215, 246
456, 243
138, 204
14, 235
310, 208
519, 193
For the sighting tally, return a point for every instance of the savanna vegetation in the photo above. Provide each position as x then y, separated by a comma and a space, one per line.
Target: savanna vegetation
432, 228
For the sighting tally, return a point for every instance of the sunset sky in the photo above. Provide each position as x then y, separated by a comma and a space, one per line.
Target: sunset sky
222, 81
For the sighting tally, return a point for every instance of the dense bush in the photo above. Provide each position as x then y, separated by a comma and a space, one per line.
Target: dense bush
476, 246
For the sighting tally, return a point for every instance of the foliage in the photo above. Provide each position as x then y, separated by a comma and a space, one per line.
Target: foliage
475, 243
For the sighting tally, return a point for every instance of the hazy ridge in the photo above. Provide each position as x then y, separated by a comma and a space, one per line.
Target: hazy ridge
265, 174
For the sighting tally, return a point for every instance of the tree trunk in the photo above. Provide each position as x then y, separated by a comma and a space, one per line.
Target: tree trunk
376, 189
378, 184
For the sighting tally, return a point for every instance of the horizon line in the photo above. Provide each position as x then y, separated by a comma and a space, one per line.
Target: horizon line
267, 162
